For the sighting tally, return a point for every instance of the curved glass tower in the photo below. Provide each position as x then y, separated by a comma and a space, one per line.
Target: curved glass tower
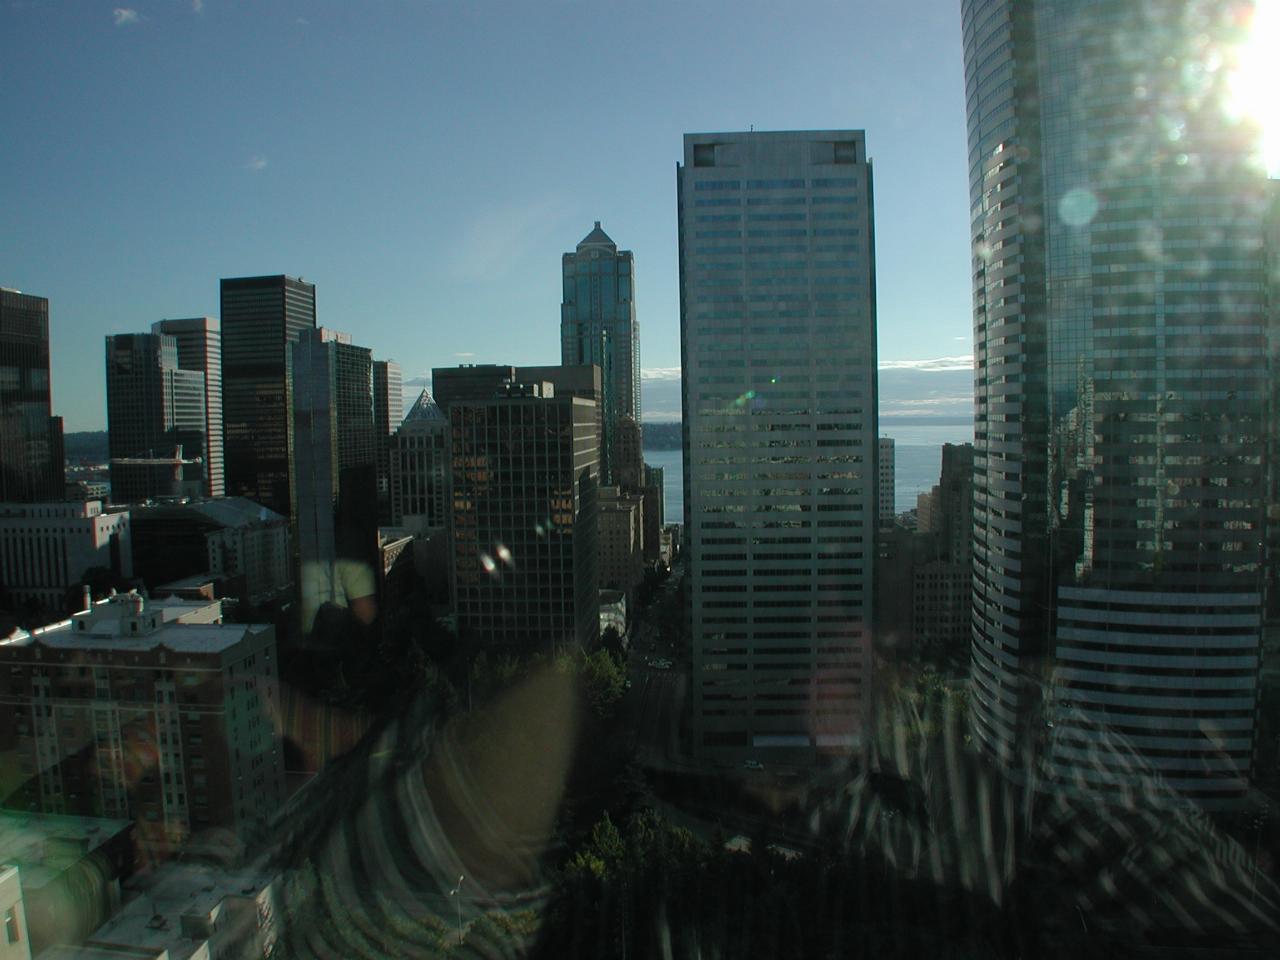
1121, 396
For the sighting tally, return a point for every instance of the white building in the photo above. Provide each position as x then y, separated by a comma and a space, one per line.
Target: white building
47, 547
887, 489
778, 332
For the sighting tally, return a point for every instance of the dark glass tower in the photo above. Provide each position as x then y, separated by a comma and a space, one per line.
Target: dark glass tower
388, 410
524, 570
598, 326
155, 419
1121, 397
261, 316
31, 457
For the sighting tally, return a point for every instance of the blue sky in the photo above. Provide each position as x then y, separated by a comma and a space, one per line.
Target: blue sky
426, 163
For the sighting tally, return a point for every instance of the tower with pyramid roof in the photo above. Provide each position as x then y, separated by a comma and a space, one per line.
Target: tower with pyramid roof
598, 325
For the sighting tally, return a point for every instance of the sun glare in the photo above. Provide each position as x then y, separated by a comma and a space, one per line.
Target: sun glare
1255, 81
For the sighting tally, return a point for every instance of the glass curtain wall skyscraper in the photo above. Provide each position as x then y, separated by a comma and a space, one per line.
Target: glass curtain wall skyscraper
261, 316
31, 454
598, 326
155, 419
778, 349
1121, 397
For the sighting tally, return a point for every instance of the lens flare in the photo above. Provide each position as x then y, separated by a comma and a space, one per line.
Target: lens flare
1255, 79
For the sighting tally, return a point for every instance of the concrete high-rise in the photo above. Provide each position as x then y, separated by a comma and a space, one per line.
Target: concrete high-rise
199, 344
1121, 398
31, 455
261, 316
156, 419
778, 349
598, 326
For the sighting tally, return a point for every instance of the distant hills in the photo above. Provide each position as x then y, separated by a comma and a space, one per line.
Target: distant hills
89, 446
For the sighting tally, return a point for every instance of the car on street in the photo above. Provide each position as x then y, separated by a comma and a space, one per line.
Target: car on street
752, 765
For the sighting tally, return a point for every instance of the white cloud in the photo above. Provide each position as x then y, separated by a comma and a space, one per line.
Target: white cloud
256, 162
422, 380
124, 16
197, 6
464, 355
660, 373
937, 363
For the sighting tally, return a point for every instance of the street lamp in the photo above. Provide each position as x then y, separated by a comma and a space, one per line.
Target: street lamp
456, 894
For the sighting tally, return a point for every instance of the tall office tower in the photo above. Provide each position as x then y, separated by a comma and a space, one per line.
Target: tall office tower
420, 469
598, 326
886, 491
778, 349
156, 419
199, 342
524, 570
655, 514
335, 461
158, 712
31, 458
1121, 394
628, 455
942, 589
261, 316
388, 410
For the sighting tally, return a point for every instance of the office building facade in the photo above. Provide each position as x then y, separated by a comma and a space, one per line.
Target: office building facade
886, 473
388, 411
598, 326
199, 348
1121, 400
420, 469
156, 420
31, 455
524, 564
46, 548
778, 350
261, 316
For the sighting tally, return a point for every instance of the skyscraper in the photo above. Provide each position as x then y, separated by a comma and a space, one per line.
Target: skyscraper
524, 570
261, 316
335, 459
155, 419
31, 457
598, 326
1121, 397
420, 469
199, 342
778, 349
886, 492
388, 410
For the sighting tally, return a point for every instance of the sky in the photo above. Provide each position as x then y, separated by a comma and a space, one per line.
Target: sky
426, 164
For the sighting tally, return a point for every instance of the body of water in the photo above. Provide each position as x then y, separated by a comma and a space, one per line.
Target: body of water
917, 455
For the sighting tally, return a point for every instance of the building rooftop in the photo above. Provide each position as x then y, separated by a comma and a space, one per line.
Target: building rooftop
131, 623
424, 410
179, 909
44, 845
224, 511
597, 238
